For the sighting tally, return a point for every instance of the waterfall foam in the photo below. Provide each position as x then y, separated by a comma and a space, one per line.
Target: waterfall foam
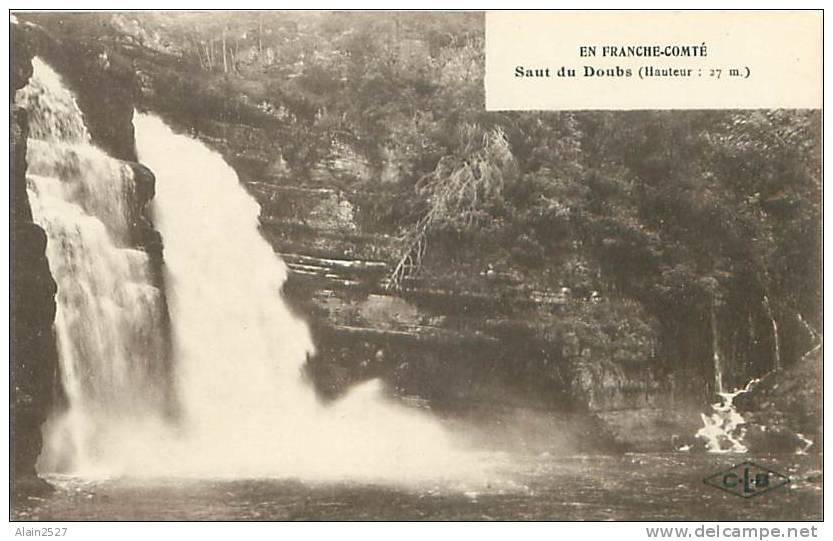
724, 429
247, 409
108, 318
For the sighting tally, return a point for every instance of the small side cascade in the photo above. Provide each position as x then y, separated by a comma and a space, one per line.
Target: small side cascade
806, 442
724, 429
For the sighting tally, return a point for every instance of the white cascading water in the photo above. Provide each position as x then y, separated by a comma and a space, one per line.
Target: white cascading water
111, 351
724, 429
239, 351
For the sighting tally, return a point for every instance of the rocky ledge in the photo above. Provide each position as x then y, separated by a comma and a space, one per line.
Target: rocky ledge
783, 410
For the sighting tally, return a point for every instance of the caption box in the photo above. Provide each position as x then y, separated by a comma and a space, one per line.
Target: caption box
618, 60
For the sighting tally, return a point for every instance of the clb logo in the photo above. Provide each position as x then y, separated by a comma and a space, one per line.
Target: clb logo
747, 479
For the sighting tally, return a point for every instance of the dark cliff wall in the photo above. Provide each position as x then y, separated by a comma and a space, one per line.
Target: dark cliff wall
104, 86
784, 410
33, 359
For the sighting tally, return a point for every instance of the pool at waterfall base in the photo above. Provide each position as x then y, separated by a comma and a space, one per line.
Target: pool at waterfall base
533, 487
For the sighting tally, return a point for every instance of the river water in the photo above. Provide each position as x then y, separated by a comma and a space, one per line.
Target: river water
533, 487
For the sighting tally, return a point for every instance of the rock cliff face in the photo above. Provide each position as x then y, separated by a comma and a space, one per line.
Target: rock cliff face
463, 336
104, 86
783, 410
34, 356
483, 326
33, 353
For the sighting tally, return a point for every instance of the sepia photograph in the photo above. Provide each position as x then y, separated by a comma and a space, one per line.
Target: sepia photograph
331, 266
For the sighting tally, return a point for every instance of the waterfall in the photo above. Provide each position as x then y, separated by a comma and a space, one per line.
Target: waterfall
724, 429
235, 366
107, 324
718, 362
246, 408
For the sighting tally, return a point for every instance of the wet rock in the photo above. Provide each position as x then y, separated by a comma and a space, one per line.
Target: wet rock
18, 135
20, 64
31, 489
774, 439
783, 412
145, 183
33, 350
103, 81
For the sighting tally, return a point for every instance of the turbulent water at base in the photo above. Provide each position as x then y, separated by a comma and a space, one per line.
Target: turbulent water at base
107, 324
239, 351
724, 429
